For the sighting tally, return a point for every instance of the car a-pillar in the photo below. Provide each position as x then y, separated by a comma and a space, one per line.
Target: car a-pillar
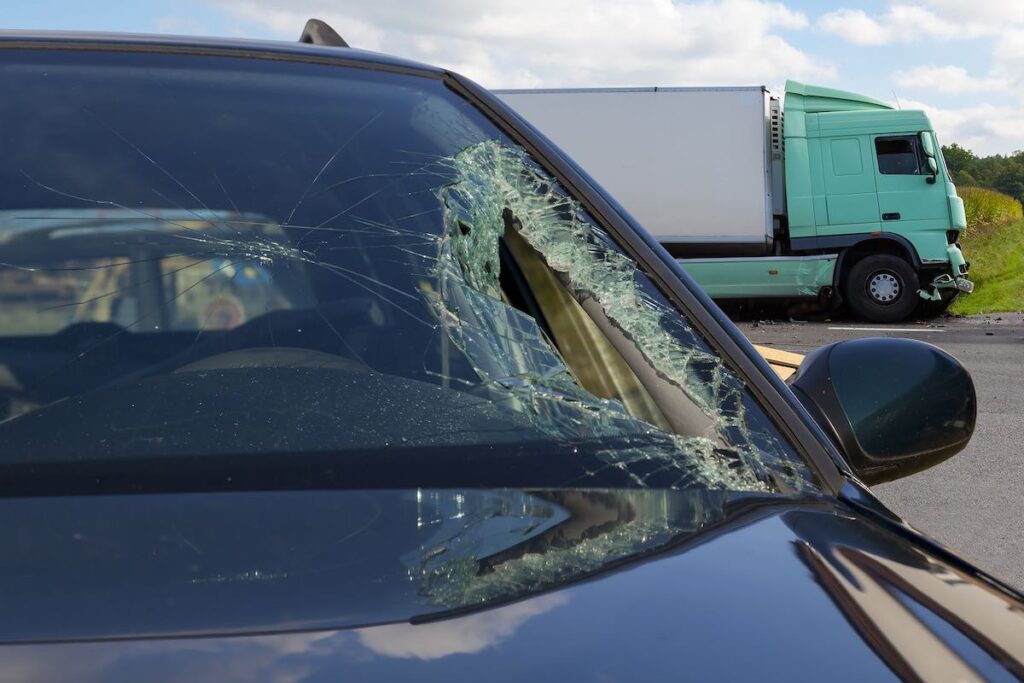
879, 282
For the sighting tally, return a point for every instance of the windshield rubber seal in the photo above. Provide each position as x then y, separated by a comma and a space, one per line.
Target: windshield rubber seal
312, 55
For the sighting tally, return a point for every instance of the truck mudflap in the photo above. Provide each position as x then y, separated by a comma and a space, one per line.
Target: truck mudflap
954, 279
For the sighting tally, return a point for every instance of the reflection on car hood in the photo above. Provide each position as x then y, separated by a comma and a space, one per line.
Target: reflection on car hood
779, 590
111, 566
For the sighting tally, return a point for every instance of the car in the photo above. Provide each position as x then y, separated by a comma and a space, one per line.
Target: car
320, 364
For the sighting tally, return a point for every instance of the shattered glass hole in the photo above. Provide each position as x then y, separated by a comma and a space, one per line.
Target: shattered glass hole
499, 186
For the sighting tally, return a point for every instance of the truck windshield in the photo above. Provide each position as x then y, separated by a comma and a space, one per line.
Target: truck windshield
271, 264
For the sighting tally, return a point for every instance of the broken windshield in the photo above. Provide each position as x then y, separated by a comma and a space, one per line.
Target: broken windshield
206, 257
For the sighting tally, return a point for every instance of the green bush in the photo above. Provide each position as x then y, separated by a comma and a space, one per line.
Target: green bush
988, 207
996, 253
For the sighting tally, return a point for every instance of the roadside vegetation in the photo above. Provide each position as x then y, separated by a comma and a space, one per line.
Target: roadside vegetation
987, 208
994, 245
1003, 173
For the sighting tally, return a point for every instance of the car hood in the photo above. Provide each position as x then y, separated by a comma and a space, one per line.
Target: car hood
775, 589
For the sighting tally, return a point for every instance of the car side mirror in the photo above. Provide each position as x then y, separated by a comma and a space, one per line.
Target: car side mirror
893, 406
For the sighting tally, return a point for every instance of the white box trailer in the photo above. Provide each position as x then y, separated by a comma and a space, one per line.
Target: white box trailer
697, 167
847, 200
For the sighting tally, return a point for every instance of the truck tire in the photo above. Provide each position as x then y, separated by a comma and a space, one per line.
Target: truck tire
882, 288
930, 309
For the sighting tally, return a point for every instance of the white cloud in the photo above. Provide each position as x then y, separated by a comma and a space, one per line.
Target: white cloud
983, 128
1008, 52
993, 12
942, 20
900, 23
950, 79
855, 26
532, 43
279, 658
225, 660
464, 635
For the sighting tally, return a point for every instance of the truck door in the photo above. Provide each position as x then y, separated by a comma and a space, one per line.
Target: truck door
850, 194
907, 201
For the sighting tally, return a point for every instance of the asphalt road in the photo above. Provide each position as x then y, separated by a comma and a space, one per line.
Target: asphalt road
973, 502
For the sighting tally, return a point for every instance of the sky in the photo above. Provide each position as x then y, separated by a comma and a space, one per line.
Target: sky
962, 62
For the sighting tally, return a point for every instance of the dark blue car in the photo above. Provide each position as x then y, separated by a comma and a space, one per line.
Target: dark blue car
320, 365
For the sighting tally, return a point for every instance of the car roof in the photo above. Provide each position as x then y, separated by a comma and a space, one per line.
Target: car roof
244, 47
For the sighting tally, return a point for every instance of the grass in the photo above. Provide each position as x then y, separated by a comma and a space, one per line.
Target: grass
994, 245
988, 207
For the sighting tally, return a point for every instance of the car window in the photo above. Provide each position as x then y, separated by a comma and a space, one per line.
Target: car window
115, 266
208, 257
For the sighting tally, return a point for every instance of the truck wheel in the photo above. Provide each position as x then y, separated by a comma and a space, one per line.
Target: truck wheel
882, 288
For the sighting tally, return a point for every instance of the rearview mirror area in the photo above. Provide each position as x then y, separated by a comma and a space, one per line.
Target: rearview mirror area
927, 145
893, 406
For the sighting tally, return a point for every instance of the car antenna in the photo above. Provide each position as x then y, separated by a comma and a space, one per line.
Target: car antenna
317, 32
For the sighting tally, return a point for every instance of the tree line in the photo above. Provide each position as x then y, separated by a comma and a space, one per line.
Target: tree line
997, 172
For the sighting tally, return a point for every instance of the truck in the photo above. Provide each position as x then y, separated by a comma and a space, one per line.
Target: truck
820, 193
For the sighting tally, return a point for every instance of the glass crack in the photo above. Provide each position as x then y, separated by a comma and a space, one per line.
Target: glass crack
513, 357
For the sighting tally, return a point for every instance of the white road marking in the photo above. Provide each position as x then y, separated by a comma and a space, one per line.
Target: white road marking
888, 329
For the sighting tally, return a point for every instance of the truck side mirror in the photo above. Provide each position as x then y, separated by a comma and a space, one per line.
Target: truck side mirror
893, 406
929, 152
926, 144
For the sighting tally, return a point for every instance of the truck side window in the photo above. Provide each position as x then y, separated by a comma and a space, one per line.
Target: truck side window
900, 155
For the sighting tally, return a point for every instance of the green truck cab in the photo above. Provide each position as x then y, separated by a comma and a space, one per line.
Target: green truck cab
867, 182
820, 194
